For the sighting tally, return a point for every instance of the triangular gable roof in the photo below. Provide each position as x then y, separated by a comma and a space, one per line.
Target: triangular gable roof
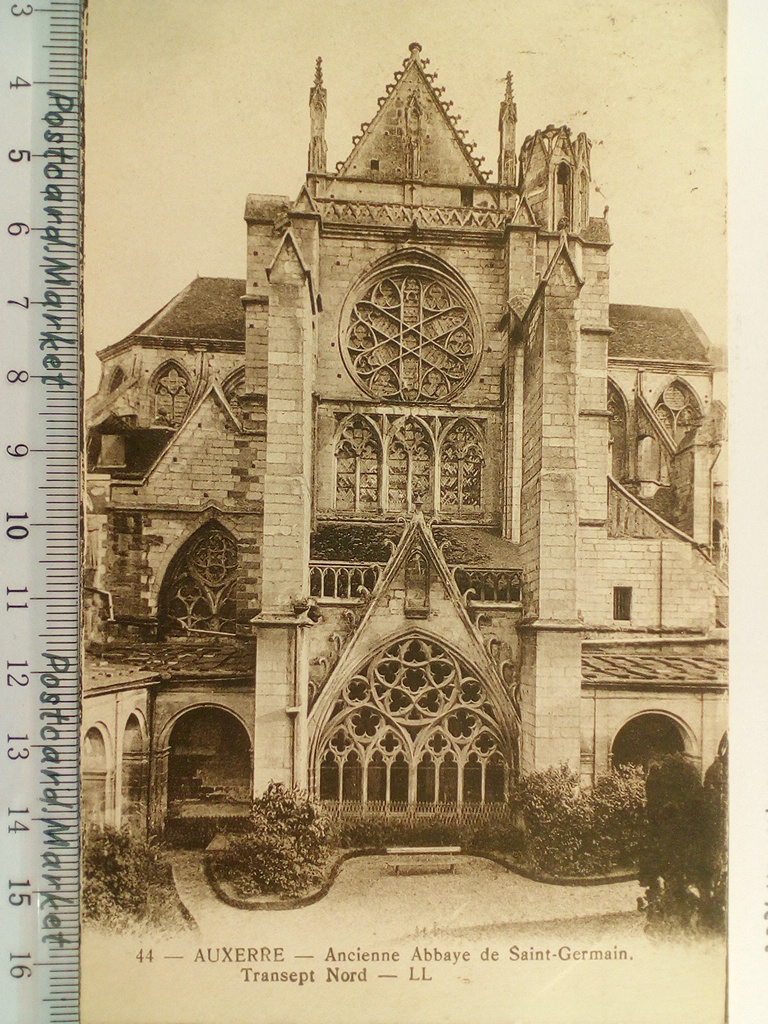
209, 307
212, 391
444, 156
562, 253
523, 215
369, 633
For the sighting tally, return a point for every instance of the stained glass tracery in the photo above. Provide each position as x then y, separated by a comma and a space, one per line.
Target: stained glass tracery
358, 461
410, 467
200, 592
411, 337
460, 470
171, 397
678, 410
416, 726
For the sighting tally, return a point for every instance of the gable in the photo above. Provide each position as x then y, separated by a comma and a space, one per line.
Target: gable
412, 137
208, 459
417, 596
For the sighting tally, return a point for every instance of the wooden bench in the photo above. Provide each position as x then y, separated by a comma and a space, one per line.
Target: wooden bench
423, 860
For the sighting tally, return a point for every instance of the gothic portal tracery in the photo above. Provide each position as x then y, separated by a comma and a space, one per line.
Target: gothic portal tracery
411, 337
414, 727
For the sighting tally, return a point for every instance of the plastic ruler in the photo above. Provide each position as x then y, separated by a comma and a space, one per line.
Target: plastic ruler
41, 62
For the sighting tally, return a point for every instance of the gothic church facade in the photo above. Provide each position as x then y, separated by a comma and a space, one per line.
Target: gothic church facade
411, 509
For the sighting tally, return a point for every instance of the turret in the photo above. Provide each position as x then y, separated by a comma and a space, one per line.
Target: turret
318, 108
555, 177
507, 125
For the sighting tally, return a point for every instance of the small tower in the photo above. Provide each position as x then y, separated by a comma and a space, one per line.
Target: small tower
318, 108
507, 125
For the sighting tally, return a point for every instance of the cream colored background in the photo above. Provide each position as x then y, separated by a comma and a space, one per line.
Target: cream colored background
191, 104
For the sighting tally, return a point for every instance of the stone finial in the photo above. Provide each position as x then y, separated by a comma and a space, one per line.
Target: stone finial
509, 96
415, 49
507, 123
318, 107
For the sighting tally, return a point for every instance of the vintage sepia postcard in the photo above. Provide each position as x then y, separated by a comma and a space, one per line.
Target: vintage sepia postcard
405, 626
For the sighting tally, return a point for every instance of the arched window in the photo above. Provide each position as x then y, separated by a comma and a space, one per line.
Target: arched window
678, 410
617, 426
415, 726
358, 462
116, 379
563, 198
410, 467
171, 395
199, 590
461, 466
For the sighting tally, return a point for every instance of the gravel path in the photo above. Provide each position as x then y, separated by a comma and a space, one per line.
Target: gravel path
480, 897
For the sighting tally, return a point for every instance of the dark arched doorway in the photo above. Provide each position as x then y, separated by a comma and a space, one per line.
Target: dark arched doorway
209, 765
647, 738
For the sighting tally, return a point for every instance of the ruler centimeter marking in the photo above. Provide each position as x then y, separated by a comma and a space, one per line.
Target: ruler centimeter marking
41, 63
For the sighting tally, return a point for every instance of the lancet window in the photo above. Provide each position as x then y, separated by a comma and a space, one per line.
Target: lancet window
199, 592
411, 337
410, 468
171, 396
415, 727
563, 198
460, 470
678, 410
358, 466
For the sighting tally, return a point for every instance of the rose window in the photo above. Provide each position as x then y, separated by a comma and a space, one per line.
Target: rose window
411, 337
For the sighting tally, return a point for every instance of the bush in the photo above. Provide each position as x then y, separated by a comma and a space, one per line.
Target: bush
618, 808
118, 871
682, 855
568, 831
283, 850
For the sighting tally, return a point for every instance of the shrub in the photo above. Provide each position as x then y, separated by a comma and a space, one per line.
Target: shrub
618, 808
118, 870
682, 855
283, 849
569, 831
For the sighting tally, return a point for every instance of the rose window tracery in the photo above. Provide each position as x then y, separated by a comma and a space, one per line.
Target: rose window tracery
200, 591
411, 337
416, 726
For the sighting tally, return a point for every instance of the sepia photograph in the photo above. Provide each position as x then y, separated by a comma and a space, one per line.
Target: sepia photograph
405, 588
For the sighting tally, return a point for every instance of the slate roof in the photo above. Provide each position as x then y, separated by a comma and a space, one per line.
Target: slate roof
359, 542
629, 665
655, 332
209, 307
118, 663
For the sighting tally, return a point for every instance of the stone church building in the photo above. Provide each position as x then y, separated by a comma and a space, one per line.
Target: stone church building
411, 509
